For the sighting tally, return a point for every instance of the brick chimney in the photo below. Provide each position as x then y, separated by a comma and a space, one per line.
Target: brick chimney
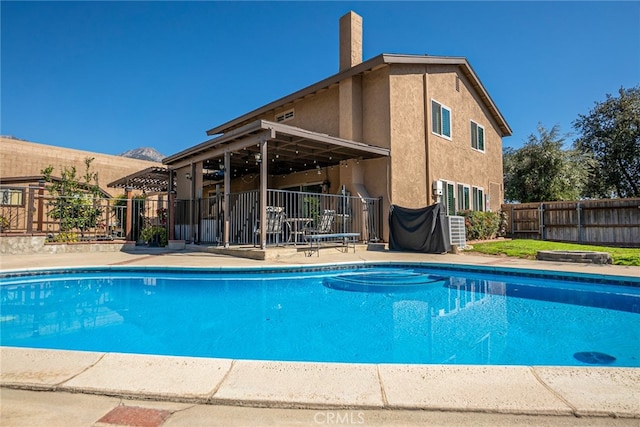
350, 40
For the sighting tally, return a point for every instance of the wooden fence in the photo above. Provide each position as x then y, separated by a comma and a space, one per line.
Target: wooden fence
614, 222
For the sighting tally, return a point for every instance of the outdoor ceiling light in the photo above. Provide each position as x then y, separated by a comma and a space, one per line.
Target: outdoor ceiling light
258, 157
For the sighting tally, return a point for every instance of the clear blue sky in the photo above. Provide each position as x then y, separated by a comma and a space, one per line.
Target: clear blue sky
111, 76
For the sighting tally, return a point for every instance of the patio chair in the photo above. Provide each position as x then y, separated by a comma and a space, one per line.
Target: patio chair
275, 221
325, 223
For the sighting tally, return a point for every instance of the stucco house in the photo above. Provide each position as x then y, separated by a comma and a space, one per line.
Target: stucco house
398, 129
23, 197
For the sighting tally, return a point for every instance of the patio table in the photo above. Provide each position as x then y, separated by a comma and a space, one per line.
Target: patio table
296, 227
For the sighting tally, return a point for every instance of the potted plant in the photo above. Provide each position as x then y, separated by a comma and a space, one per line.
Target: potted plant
155, 235
4, 224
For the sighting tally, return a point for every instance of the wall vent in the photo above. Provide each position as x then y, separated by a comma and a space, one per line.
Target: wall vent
287, 115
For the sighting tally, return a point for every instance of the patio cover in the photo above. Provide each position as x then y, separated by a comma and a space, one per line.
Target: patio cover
290, 149
150, 180
263, 147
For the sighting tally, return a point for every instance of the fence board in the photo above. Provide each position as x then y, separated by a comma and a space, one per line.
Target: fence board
613, 222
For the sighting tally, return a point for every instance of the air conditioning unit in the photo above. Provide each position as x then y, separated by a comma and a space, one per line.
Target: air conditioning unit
457, 232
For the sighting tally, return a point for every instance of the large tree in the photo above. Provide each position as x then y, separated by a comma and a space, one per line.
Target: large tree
610, 133
542, 171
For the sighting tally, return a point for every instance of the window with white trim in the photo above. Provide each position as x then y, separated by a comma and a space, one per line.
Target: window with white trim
440, 119
448, 197
463, 197
477, 136
478, 199
284, 116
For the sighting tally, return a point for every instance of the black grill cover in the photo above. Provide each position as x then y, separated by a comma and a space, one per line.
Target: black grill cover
418, 230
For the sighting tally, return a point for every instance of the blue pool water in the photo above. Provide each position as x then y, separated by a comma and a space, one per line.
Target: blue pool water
368, 314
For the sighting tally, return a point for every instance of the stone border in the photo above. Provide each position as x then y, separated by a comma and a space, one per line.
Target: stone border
587, 257
37, 244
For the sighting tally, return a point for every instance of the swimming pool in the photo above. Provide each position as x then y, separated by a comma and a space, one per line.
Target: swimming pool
371, 313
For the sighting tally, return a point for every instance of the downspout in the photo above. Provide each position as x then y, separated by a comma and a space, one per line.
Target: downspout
427, 171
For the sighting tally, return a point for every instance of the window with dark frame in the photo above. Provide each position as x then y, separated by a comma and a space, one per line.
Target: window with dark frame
477, 136
463, 197
440, 119
478, 199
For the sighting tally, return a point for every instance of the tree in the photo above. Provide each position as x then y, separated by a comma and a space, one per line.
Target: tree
75, 201
610, 133
541, 171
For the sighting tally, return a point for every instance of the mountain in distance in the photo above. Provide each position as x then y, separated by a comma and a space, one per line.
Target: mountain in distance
144, 153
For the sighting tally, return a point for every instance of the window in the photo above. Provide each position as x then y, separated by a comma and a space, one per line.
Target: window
287, 115
478, 199
440, 119
448, 197
11, 197
477, 136
463, 197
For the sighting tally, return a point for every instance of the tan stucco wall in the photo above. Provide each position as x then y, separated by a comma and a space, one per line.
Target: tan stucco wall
375, 108
21, 158
317, 113
455, 160
408, 158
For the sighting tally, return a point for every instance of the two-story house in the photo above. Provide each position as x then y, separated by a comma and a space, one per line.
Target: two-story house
406, 129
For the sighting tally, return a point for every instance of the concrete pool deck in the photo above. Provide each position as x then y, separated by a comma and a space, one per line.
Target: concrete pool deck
381, 394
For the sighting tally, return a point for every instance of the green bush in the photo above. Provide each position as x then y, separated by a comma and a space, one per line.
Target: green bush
155, 235
64, 237
482, 225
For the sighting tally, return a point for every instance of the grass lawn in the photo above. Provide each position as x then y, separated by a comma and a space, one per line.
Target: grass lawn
523, 248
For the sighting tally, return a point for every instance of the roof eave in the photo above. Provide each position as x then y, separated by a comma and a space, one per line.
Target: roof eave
369, 65
323, 84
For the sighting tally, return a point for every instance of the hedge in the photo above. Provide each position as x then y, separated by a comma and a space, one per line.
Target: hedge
484, 225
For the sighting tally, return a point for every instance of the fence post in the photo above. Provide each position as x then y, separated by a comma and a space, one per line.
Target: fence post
129, 230
30, 210
542, 230
512, 231
579, 212
171, 217
40, 226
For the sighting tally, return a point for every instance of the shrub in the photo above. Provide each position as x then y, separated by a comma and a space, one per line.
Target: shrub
155, 235
64, 237
482, 225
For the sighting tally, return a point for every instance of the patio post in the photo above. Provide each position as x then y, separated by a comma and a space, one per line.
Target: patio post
227, 187
30, 208
171, 220
129, 230
263, 193
41, 188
